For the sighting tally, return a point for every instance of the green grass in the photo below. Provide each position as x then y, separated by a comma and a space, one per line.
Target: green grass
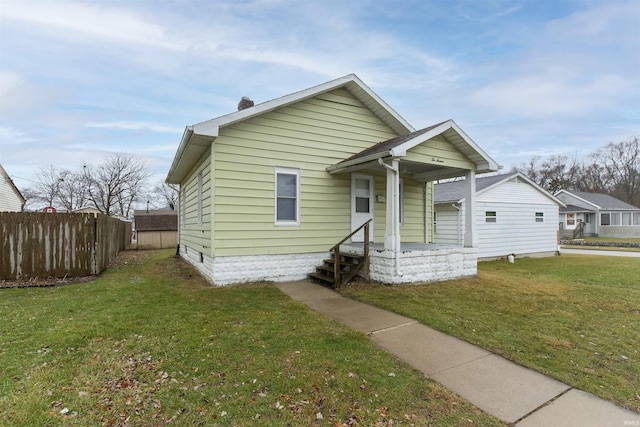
574, 318
150, 343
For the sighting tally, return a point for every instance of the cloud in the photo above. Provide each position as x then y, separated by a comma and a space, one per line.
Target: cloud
127, 125
81, 20
17, 94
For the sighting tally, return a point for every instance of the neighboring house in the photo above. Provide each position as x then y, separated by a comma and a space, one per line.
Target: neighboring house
598, 215
514, 216
11, 200
266, 191
156, 229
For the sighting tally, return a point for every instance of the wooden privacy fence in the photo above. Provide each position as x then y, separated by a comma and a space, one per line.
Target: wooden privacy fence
38, 244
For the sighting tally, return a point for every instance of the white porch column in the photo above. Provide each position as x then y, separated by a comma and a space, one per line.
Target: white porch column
470, 233
391, 237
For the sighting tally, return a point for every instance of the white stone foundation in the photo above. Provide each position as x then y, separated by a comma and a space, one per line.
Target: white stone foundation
229, 270
416, 266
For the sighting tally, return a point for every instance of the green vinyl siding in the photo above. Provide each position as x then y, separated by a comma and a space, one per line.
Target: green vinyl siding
310, 135
439, 152
193, 234
412, 229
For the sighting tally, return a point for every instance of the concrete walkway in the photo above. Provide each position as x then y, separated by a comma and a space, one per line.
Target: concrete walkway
510, 392
629, 254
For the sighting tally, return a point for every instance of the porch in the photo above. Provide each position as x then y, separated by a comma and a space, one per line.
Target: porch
416, 262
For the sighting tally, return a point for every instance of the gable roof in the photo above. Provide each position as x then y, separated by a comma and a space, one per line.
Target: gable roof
5, 176
398, 147
156, 220
600, 200
197, 138
454, 191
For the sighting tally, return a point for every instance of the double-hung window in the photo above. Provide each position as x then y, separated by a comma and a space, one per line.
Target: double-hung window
287, 203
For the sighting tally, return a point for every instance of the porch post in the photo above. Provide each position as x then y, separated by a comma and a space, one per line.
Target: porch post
389, 234
470, 235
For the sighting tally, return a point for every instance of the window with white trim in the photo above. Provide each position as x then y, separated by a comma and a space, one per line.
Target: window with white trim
539, 216
287, 196
491, 216
605, 219
200, 198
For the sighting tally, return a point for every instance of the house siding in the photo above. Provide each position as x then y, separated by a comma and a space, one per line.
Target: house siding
515, 229
309, 136
194, 234
9, 200
436, 151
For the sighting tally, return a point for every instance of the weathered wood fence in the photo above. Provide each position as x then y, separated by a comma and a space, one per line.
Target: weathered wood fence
38, 244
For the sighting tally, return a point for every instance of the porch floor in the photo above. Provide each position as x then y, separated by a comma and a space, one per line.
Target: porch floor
404, 246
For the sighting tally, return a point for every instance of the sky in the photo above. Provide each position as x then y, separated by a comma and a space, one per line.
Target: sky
81, 80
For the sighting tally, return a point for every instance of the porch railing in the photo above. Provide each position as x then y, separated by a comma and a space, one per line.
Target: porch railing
579, 230
336, 254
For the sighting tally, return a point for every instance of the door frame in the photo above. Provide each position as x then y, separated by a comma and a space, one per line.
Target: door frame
359, 237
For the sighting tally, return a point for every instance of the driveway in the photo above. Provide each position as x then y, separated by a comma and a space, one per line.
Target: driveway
600, 253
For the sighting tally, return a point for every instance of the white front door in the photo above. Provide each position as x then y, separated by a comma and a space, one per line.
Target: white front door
362, 198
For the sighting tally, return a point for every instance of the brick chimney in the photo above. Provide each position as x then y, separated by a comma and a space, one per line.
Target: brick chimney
245, 102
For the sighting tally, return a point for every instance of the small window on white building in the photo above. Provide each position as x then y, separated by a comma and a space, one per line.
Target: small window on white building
491, 216
539, 216
605, 219
287, 198
571, 219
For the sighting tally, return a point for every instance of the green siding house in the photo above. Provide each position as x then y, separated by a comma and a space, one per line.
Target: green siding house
266, 191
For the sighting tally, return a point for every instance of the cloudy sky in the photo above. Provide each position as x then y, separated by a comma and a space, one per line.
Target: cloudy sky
80, 80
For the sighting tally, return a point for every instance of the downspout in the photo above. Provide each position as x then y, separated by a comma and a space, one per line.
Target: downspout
396, 212
459, 227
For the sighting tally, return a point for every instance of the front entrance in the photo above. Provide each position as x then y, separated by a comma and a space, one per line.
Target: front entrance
362, 201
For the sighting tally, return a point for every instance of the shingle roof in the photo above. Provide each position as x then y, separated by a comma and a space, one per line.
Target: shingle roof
454, 191
574, 208
157, 220
603, 201
390, 143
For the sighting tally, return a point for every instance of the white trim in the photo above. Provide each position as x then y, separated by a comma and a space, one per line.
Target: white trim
401, 201
372, 195
286, 171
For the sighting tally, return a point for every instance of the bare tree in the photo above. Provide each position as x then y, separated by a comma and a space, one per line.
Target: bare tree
114, 185
72, 192
554, 173
47, 187
621, 164
165, 195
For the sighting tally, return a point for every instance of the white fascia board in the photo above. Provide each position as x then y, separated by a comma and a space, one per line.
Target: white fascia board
186, 136
292, 98
490, 165
341, 167
579, 198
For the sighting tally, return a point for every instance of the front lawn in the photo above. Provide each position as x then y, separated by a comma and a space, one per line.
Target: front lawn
149, 343
574, 318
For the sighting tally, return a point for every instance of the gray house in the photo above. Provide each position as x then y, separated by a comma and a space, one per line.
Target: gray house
597, 214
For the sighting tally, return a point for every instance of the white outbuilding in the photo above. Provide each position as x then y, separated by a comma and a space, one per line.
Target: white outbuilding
514, 216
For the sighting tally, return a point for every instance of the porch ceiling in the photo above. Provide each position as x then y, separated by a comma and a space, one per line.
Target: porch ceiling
421, 172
